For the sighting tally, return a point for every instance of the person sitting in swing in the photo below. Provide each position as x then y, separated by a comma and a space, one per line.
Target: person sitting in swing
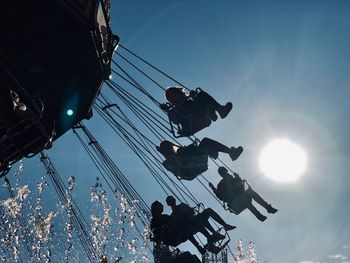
231, 190
167, 231
172, 232
185, 214
193, 110
187, 162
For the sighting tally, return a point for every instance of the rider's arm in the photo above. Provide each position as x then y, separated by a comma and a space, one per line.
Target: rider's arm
213, 188
164, 107
236, 175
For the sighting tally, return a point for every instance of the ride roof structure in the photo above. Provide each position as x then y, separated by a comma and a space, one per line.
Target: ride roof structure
55, 56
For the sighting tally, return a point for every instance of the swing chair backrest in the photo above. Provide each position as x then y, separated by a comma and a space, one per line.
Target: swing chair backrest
186, 125
187, 169
239, 203
175, 238
168, 236
190, 231
162, 236
223, 242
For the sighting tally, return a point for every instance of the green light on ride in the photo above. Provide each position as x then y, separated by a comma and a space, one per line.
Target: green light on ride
70, 112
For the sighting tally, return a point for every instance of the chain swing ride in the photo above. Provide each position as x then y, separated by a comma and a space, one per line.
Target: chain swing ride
57, 60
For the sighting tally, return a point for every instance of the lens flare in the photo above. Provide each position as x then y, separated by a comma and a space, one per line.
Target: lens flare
282, 160
70, 112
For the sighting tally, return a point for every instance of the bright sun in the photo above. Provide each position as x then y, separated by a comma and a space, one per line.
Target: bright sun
283, 160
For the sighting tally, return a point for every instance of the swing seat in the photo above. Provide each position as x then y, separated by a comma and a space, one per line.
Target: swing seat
185, 126
216, 249
188, 171
165, 235
192, 125
239, 203
189, 124
174, 237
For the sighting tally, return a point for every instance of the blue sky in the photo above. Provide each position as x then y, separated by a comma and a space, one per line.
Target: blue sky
285, 65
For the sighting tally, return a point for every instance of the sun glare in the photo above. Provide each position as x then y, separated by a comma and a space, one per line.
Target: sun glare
282, 160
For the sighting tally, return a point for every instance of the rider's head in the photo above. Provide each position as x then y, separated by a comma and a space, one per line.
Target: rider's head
222, 171
166, 148
170, 200
156, 208
175, 95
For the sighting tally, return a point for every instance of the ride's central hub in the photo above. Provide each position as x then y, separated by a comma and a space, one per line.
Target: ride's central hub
55, 58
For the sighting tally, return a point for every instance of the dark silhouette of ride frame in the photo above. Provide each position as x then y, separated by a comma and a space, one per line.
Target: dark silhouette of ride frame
54, 55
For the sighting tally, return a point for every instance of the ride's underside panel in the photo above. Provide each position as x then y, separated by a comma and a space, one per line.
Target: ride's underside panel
55, 55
